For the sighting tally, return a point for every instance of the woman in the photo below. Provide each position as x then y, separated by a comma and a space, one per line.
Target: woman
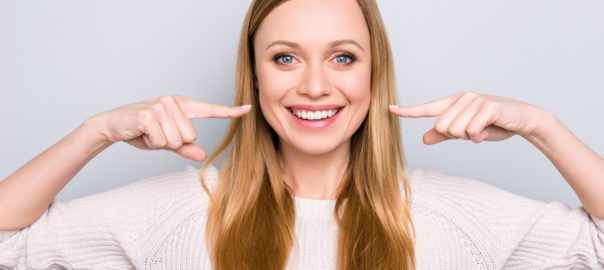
314, 175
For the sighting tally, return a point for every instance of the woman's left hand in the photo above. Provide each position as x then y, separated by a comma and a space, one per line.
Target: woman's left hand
474, 116
479, 117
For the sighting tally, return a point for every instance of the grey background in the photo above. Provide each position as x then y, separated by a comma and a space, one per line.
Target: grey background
62, 62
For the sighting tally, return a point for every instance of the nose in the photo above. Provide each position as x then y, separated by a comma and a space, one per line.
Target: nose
315, 82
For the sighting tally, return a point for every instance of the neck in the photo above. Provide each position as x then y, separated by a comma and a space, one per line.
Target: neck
315, 176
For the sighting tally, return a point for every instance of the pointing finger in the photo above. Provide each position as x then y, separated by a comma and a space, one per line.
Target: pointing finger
430, 109
199, 109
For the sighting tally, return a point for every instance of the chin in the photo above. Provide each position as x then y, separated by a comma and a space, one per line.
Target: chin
314, 146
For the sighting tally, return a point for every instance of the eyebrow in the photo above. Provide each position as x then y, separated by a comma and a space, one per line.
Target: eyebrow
331, 44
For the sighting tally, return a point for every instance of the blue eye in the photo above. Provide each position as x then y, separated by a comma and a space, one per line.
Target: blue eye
284, 59
287, 59
344, 59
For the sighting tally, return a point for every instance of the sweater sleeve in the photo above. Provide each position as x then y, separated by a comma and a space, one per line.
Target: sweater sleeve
508, 231
100, 231
559, 237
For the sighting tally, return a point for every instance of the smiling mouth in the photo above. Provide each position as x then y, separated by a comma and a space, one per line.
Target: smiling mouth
314, 115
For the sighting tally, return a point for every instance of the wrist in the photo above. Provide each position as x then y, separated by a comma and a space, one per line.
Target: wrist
545, 129
92, 136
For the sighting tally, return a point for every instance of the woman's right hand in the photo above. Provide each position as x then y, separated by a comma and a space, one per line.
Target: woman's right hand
161, 123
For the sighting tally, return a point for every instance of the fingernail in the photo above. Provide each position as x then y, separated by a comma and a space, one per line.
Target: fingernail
246, 106
393, 106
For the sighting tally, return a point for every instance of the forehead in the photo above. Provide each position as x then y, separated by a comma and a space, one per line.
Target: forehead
313, 22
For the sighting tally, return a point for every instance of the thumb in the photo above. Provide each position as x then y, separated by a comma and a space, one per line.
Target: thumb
192, 151
433, 137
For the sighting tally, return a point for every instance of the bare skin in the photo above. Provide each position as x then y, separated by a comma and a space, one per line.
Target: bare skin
479, 117
145, 125
160, 123
326, 60
312, 71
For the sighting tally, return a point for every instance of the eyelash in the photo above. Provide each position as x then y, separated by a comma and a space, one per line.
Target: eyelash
278, 56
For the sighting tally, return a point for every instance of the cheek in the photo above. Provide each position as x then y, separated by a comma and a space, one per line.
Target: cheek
272, 81
273, 86
357, 88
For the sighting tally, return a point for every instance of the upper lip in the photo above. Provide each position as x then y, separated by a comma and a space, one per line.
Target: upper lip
314, 107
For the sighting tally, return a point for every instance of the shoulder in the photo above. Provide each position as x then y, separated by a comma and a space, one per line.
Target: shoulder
175, 192
477, 218
151, 198
188, 179
175, 211
430, 187
466, 198
144, 221
158, 188
150, 204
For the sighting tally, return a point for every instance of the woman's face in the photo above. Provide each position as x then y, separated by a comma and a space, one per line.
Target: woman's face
313, 66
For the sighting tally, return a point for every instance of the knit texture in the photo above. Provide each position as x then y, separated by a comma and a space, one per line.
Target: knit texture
159, 223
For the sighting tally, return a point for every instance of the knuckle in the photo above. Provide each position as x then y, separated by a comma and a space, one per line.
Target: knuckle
440, 128
157, 107
456, 132
473, 132
179, 100
158, 142
174, 144
190, 137
177, 97
491, 106
475, 137
145, 116
469, 95
479, 100
166, 99
460, 93
472, 95
161, 143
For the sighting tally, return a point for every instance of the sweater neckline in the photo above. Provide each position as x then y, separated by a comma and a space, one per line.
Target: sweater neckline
307, 208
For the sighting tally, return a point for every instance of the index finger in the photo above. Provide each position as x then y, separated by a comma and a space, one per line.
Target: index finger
199, 109
430, 109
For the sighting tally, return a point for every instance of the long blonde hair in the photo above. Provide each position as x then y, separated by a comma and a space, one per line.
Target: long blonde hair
251, 214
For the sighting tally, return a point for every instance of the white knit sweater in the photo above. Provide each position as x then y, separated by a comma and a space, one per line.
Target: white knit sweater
159, 222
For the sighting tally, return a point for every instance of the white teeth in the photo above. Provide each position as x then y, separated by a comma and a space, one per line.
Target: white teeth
314, 115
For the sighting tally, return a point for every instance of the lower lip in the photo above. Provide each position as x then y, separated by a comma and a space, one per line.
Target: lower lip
316, 124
